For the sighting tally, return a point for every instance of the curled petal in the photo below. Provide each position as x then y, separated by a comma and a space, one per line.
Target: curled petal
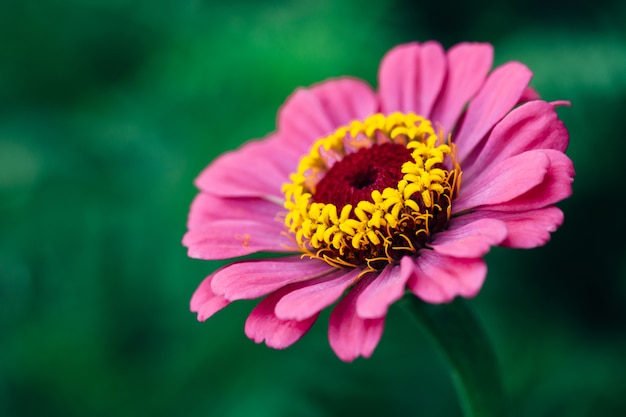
252, 279
531, 228
351, 336
496, 98
410, 77
263, 325
470, 240
556, 186
205, 302
439, 278
526, 229
561, 103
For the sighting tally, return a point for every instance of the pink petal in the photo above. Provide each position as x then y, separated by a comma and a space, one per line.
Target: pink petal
439, 278
469, 240
257, 169
556, 186
263, 325
468, 65
383, 291
351, 336
310, 299
315, 112
232, 238
208, 208
496, 98
526, 229
530, 229
252, 279
533, 125
205, 302
561, 103
529, 94
505, 180
410, 78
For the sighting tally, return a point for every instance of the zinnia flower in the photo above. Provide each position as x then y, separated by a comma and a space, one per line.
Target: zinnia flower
376, 193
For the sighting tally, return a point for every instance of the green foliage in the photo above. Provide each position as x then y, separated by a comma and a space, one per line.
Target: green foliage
110, 109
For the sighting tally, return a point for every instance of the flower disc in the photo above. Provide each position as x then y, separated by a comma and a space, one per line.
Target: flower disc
372, 191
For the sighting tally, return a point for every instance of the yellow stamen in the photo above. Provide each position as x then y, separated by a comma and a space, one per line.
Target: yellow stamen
394, 221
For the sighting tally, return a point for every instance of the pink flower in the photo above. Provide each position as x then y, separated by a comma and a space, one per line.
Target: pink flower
373, 193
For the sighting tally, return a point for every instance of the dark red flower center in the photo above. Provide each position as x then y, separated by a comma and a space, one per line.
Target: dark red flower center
358, 174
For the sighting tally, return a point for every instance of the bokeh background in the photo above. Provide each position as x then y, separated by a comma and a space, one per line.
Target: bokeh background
110, 108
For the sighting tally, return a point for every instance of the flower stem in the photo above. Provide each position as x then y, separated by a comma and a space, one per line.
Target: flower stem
459, 336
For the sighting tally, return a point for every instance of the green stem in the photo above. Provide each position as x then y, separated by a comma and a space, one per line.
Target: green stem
458, 334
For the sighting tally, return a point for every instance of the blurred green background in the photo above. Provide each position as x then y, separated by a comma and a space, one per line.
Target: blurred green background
109, 109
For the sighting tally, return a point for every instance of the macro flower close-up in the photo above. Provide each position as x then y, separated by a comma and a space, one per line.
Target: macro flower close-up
366, 194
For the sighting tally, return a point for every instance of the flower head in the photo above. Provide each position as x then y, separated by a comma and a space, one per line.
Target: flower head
375, 193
